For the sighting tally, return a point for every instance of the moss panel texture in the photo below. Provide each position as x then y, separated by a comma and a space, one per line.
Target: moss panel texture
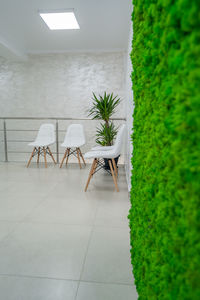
165, 210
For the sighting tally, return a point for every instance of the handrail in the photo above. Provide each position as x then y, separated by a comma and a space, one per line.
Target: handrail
57, 119
5, 141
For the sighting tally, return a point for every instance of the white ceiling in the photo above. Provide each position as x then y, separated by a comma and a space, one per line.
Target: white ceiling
104, 26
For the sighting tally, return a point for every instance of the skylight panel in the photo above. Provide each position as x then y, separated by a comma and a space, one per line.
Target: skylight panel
60, 20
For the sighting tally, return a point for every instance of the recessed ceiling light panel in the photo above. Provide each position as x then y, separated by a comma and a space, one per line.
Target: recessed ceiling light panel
60, 20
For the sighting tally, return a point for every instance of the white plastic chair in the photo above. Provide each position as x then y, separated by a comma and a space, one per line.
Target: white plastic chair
109, 152
74, 138
45, 138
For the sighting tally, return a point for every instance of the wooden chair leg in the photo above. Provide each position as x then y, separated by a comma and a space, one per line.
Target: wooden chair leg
113, 175
45, 158
65, 154
82, 156
95, 166
115, 167
38, 155
91, 173
51, 155
32, 154
77, 151
68, 153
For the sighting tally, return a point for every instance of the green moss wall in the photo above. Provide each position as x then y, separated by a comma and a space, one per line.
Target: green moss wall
165, 207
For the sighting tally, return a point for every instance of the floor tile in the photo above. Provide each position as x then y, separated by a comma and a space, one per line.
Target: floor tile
14, 207
104, 182
6, 228
4, 185
97, 291
52, 233
112, 212
23, 288
65, 210
108, 257
30, 188
53, 251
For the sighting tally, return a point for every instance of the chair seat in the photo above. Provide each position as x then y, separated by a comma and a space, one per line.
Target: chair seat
102, 148
100, 154
41, 144
72, 145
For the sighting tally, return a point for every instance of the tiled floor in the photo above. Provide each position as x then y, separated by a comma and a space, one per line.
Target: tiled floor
58, 242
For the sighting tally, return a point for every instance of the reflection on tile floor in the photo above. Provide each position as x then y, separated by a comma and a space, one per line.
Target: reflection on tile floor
58, 242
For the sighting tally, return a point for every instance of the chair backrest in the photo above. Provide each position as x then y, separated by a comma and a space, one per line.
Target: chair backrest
75, 134
119, 140
46, 134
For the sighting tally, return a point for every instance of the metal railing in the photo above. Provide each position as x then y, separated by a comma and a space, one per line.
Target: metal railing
5, 130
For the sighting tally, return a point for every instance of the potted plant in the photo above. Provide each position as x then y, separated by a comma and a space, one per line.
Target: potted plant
103, 107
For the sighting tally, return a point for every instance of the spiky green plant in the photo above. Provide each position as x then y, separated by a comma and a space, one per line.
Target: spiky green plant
103, 107
106, 134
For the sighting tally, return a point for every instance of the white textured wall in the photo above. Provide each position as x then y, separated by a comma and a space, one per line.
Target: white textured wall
56, 85
129, 112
